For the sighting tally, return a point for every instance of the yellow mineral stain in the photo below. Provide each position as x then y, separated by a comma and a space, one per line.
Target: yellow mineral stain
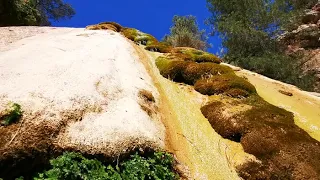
189, 134
304, 105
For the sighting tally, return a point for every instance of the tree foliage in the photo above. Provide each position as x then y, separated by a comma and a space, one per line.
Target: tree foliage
54, 10
249, 31
18, 12
186, 33
33, 12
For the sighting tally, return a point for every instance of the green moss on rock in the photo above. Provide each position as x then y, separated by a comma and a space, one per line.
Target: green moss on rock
11, 115
106, 25
197, 55
130, 33
159, 47
270, 134
187, 71
224, 84
145, 39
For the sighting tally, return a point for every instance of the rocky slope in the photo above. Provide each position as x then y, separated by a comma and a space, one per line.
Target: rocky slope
111, 90
306, 40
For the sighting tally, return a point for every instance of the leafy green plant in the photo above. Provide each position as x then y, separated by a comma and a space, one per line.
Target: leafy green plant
158, 166
12, 114
74, 166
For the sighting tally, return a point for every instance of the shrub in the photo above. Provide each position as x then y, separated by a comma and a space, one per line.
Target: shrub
73, 166
186, 33
11, 115
278, 67
250, 30
158, 166
18, 12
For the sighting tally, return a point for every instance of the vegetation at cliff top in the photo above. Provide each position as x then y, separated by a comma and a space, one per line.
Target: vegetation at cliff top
33, 12
186, 33
249, 31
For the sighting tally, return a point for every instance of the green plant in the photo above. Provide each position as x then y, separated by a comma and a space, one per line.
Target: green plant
12, 114
74, 166
158, 166
249, 30
33, 12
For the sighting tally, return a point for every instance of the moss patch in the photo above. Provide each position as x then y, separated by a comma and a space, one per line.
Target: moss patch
269, 133
208, 78
130, 33
189, 72
195, 55
236, 93
151, 43
106, 25
226, 83
159, 47
146, 95
11, 115
145, 39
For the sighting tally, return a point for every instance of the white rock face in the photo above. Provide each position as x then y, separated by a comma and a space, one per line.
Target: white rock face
94, 74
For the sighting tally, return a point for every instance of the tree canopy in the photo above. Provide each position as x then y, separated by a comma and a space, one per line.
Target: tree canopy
249, 30
186, 33
33, 12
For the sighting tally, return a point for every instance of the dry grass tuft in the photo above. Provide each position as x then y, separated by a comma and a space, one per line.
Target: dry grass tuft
146, 95
130, 33
106, 25
147, 102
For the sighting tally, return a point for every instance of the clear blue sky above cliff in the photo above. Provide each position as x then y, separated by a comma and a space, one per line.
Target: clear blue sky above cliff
153, 17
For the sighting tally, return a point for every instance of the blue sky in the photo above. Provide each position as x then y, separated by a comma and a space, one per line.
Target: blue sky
153, 17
